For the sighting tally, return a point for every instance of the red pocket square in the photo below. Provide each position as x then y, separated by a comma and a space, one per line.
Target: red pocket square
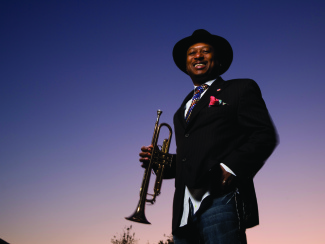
215, 102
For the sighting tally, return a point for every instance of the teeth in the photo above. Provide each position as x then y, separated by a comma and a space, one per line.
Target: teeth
198, 65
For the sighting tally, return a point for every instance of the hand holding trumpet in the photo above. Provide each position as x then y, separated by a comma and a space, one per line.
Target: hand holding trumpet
145, 155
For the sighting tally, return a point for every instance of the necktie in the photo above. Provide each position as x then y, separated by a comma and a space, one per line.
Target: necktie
197, 94
190, 211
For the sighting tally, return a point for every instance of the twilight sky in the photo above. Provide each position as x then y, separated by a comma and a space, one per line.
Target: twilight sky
80, 85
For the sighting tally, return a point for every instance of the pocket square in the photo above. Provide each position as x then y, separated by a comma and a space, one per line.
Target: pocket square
215, 102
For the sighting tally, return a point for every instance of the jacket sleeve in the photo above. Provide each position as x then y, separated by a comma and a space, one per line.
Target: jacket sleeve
259, 134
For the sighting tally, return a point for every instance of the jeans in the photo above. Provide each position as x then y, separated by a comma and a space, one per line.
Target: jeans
219, 224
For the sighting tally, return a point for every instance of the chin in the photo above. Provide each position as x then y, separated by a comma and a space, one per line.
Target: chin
202, 78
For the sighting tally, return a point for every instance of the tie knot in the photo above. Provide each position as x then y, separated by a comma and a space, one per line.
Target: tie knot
200, 89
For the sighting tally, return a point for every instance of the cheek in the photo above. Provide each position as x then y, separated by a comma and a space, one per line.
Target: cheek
213, 63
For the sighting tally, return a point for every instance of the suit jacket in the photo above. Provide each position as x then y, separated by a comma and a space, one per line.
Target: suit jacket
239, 134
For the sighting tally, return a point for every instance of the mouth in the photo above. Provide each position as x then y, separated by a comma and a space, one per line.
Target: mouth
200, 65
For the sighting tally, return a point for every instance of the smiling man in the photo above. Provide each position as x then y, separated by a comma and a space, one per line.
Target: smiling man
224, 134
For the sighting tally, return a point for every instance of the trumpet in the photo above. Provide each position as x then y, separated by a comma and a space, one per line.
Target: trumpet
158, 161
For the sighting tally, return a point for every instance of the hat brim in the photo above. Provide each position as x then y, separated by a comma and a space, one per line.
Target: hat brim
223, 50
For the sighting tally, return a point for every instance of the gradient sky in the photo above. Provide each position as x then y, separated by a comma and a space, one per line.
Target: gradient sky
80, 85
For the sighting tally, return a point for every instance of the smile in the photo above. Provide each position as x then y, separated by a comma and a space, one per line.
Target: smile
199, 64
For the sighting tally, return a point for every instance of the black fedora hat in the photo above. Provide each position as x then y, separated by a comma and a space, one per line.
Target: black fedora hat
221, 46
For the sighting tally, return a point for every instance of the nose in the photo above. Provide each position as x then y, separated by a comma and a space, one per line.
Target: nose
198, 55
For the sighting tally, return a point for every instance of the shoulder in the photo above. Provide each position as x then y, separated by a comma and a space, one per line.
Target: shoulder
242, 85
241, 82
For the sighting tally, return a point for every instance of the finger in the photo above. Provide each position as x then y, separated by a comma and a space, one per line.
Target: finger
146, 148
144, 160
144, 154
227, 179
229, 183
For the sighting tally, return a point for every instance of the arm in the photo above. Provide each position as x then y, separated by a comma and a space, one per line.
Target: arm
259, 136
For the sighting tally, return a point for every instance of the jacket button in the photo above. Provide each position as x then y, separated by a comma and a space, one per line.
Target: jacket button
184, 159
187, 135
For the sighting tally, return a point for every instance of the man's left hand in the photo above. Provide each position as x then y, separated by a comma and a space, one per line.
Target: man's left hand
227, 180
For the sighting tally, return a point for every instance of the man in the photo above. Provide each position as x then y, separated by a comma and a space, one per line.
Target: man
223, 138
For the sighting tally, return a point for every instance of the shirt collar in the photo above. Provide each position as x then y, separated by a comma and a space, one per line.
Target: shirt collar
209, 83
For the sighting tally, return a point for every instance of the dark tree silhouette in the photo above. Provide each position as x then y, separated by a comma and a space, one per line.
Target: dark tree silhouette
169, 240
125, 238
129, 238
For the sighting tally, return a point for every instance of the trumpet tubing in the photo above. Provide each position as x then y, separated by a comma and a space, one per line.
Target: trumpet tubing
159, 160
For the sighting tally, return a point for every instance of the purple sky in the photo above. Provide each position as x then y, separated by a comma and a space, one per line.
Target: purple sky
80, 85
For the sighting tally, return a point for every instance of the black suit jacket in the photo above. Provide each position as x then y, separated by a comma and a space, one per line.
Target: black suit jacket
239, 134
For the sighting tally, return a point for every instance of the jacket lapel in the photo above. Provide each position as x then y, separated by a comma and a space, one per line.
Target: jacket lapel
180, 112
216, 87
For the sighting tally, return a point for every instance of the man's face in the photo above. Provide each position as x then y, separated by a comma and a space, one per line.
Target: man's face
201, 64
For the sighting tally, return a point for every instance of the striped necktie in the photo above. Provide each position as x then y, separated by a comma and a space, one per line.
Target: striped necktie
197, 94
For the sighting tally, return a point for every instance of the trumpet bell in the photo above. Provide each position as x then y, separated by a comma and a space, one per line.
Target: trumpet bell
138, 216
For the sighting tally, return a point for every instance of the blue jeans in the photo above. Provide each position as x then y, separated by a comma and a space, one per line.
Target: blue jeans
219, 224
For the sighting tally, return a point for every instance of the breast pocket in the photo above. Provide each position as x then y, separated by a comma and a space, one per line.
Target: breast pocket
218, 111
